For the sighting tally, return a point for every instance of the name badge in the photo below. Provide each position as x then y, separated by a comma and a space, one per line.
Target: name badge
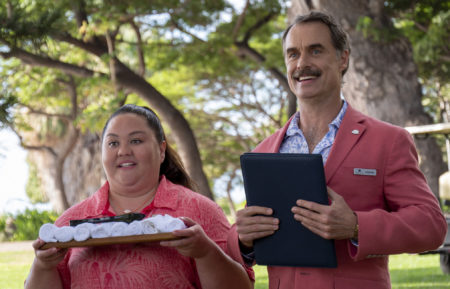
364, 172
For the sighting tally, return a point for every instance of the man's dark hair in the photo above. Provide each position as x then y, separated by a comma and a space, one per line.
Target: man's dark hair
338, 35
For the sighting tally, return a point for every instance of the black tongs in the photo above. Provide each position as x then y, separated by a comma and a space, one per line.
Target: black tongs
127, 218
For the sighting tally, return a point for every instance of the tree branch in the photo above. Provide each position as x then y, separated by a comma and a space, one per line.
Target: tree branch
95, 45
177, 26
421, 27
79, 8
36, 60
239, 21
30, 147
44, 113
245, 49
72, 89
140, 51
263, 21
445, 58
111, 48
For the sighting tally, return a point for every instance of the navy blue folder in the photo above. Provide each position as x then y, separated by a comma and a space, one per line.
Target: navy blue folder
277, 181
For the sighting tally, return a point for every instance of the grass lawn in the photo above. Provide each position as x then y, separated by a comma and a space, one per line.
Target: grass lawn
14, 267
407, 271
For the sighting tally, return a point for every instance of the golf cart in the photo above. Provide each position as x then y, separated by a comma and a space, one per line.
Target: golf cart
444, 185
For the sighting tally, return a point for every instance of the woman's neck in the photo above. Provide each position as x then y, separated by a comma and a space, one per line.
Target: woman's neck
123, 203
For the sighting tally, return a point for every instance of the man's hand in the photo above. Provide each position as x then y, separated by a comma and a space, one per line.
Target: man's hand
253, 223
336, 221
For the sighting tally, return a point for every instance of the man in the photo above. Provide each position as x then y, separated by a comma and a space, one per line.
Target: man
380, 203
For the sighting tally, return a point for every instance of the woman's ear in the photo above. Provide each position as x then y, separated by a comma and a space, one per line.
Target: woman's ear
162, 151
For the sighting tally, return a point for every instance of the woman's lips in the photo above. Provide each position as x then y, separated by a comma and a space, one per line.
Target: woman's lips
126, 165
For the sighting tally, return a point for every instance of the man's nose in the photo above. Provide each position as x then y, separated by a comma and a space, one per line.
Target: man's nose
303, 61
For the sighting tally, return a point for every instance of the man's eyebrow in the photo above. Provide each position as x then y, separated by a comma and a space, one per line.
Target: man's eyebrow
315, 45
291, 49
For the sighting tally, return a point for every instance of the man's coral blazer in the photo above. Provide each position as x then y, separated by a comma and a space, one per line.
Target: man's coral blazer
397, 212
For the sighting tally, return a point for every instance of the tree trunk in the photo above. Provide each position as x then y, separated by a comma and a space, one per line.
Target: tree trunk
181, 131
382, 79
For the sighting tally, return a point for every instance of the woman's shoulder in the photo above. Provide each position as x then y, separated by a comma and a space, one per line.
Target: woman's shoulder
186, 194
90, 207
187, 199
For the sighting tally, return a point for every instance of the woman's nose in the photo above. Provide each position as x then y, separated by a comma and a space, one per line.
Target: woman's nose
124, 149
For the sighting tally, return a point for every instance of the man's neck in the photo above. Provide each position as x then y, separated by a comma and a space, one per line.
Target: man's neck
315, 118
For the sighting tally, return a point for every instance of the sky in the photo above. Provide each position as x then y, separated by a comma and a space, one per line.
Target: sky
13, 174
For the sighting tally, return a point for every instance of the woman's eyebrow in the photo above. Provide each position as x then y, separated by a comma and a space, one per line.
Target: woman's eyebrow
130, 134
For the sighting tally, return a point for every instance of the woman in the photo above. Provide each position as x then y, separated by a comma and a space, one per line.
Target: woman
143, 175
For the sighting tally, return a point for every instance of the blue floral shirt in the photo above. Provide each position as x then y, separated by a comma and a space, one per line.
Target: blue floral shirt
294, 141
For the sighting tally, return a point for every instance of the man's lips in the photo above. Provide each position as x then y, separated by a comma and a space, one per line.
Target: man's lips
305, 74
306, 78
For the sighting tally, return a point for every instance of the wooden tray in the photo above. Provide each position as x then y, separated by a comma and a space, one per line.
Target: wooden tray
112, 241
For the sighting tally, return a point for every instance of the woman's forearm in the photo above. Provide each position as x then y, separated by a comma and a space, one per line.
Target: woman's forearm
218, 270
43, 278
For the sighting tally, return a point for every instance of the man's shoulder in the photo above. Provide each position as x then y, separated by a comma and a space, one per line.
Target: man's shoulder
357, 116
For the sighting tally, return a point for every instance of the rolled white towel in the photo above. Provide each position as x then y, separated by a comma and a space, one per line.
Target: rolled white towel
159, 222
167, 223
83, 232
118, 229
47, 232
64, 234
133, 228
148, 227
175, 224
101, 230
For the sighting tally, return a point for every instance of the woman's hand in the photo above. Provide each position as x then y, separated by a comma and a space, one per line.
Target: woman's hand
43, 273
47, 259
215, 269
195, 244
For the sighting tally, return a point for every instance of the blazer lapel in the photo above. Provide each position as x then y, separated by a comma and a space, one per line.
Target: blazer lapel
350, 130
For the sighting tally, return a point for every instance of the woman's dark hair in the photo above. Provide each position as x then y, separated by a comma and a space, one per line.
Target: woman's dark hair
172, 166
338, 35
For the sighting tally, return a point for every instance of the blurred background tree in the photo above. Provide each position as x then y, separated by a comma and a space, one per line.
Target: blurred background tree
212, 70
70, 64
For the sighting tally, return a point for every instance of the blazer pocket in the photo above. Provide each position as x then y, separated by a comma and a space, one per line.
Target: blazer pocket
345, 283
274, 282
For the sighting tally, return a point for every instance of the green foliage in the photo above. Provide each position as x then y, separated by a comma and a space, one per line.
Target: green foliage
426, 24
33, 187
7, 101
20, 22
224, 204
378, 33
27, 223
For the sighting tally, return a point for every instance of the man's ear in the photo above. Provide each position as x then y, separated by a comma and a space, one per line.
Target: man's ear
344, 59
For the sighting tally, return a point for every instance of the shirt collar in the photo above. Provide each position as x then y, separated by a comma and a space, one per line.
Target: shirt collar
294, 129
166, 196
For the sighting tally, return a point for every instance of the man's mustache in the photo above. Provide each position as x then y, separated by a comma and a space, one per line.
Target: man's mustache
306, 72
